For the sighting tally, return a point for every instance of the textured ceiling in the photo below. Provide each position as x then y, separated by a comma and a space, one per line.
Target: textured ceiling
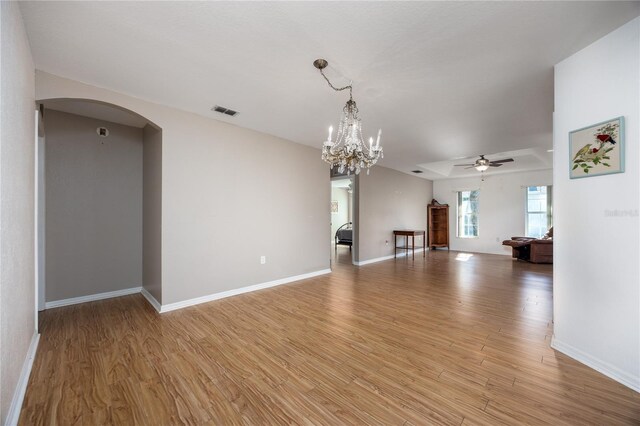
443, 80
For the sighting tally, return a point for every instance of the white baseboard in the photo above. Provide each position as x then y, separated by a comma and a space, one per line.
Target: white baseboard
92, 297
21, 388
152, 300
380, 259
603, 367
196, 301
368, 261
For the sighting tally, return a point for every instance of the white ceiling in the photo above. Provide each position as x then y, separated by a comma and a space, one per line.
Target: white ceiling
443, 80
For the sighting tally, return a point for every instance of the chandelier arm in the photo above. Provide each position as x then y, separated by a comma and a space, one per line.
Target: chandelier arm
338, 89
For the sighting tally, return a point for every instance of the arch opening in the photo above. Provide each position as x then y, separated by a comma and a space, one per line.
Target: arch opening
99, 191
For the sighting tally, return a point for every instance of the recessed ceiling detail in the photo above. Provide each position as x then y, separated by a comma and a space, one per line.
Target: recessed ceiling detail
523, 160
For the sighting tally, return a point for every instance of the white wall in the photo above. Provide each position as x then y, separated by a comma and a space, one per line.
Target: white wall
387, 200
94, 206
17, 192
501, 208
229, 196
596, 273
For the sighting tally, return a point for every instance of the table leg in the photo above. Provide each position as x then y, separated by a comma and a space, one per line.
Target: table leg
395, 245
413, 247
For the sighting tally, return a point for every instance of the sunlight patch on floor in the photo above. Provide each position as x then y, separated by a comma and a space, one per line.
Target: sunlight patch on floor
463, 257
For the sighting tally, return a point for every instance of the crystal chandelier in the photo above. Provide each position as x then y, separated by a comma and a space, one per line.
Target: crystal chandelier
348, 152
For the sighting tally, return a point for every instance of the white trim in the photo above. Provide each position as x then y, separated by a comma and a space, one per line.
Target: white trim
391, 256
368, 261
152, 300
236, 291
21, 387
603, 367
92, 297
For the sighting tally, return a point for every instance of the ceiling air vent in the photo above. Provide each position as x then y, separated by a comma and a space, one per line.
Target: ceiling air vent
416, 171
223, 110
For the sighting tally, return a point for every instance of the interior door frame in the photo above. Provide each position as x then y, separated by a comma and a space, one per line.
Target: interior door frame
352, 207
40, 212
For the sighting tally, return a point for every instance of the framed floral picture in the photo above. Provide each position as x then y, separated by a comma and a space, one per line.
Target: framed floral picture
597, 149
334, 207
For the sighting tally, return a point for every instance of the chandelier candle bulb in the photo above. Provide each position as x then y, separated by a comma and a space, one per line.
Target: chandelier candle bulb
330, 132
378, 141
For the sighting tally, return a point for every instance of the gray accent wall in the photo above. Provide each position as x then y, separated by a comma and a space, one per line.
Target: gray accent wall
17, 193
94, 206
388, 200
152, 212
231, 195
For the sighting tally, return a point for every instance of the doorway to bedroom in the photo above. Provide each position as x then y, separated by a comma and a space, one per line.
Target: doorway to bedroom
342, 219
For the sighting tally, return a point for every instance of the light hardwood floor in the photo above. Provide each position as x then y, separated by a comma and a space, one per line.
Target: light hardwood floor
401, 342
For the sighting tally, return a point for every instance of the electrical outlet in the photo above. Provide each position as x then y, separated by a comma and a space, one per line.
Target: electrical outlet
263, 260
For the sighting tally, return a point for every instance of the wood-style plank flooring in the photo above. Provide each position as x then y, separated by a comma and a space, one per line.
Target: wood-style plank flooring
401, 342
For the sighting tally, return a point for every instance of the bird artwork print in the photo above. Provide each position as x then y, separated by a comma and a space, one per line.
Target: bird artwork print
597, 152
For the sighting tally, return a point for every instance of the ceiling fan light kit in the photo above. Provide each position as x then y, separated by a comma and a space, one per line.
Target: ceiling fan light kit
482, 164
348, 152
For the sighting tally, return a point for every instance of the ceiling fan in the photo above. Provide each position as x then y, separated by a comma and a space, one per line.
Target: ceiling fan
483, 164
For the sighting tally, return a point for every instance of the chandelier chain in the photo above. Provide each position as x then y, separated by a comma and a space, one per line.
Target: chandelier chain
338, 89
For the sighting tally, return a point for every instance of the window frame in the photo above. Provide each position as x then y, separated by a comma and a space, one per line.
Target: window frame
549, 208
477, 213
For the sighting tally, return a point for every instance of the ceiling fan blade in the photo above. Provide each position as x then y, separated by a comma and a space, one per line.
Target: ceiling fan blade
505, 160
471, 166
463, 164
495, 164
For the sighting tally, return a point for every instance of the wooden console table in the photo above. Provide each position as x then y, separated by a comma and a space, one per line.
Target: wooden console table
408, 234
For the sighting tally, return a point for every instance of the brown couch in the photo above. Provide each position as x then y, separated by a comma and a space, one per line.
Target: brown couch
534, 250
